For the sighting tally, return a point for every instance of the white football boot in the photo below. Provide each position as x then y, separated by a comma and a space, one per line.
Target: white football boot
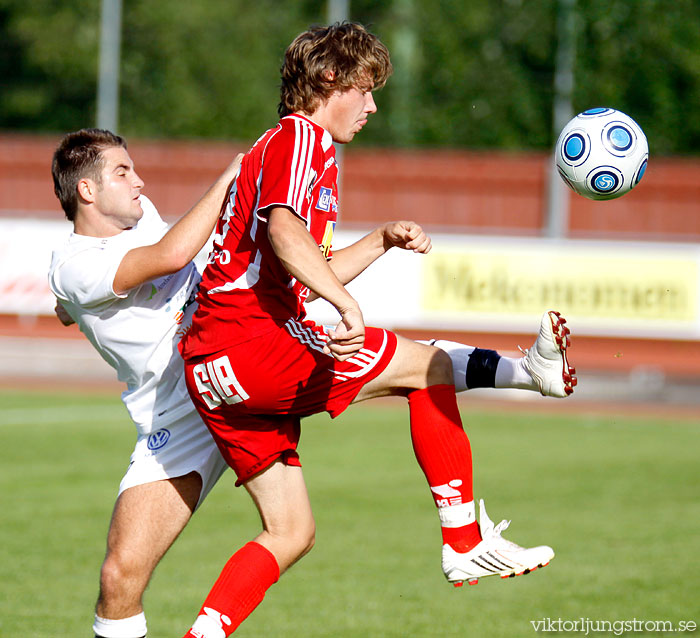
493, 556
546, 360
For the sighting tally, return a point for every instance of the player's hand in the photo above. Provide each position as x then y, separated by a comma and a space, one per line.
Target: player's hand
348, 336
62, 315
406, 235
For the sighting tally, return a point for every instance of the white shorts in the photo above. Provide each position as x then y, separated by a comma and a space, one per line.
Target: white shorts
181, 447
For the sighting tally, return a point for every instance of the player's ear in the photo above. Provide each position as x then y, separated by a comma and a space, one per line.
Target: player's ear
329, 75
87, 189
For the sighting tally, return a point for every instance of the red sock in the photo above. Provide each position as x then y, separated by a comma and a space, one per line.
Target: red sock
444, 454
240, 588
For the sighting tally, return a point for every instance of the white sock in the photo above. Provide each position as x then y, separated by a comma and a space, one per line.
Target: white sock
511, 373
133, 627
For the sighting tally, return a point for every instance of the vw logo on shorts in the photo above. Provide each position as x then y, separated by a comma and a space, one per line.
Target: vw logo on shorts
158, 439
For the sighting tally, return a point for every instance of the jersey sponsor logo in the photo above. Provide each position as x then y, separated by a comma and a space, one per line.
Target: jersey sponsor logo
179, 316
158, 439
326, 200
447, 493
327, 240
216, 383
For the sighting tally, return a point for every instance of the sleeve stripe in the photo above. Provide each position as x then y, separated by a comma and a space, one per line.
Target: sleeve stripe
304, 139
295, 157
311, 135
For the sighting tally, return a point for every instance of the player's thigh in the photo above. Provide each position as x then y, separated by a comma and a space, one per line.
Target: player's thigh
149, 517
414, 366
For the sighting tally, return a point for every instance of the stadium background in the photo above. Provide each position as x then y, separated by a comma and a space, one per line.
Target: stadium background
462, 144
642, 344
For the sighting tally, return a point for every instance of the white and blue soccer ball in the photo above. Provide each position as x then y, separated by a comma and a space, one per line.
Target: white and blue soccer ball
602, 153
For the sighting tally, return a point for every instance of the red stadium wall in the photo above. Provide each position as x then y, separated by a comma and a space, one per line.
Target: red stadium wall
504, 192
460, 191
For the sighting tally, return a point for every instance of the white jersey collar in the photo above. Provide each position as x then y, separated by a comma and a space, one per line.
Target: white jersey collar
326, 137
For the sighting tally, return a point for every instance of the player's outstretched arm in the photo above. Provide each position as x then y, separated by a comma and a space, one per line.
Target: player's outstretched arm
181, 243
301, 257
349, 262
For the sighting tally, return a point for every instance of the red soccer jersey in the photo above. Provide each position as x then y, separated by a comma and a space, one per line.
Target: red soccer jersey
245, 290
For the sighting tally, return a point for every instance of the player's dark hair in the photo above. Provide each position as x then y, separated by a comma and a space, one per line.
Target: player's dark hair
327, 59
79, 155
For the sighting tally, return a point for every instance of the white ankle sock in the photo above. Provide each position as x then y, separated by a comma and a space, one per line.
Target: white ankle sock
133, 627
511, 373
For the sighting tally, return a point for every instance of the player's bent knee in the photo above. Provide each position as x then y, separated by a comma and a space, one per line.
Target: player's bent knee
440, 371
310, 539
304, 544
415, 366
289, 543
295, 529
303, 537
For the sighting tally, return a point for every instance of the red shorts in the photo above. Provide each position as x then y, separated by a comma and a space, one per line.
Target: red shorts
252, 395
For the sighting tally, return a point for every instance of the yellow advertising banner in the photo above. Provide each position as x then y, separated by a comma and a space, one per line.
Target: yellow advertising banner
590, 283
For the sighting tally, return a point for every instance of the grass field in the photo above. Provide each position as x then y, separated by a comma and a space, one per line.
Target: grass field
616, 496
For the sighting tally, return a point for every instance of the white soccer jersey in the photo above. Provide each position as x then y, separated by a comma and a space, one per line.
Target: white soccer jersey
137, 333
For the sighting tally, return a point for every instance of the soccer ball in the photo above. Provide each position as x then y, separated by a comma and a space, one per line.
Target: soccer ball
602, 153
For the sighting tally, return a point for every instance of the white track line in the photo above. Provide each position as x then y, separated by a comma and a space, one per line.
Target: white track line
61, 358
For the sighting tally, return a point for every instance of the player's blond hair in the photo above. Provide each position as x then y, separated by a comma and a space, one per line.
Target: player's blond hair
327, 59
79, 155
